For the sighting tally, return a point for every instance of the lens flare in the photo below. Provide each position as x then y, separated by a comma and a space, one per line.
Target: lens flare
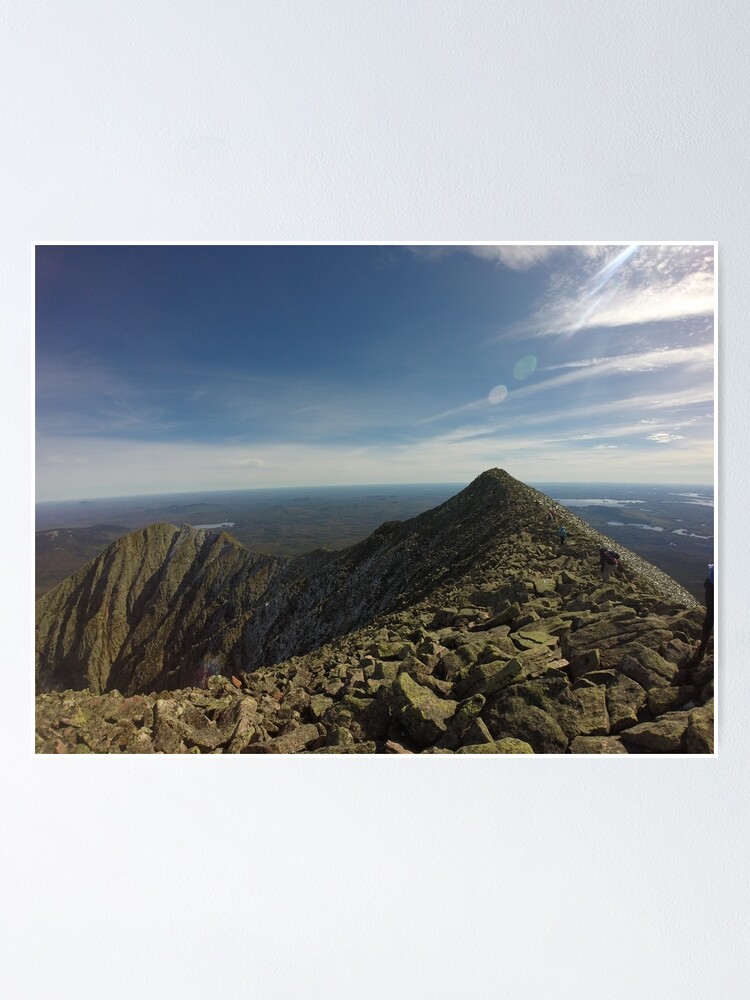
498, 394
525, 367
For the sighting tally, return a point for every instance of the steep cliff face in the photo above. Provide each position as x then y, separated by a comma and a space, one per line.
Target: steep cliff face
466, 627
148, 612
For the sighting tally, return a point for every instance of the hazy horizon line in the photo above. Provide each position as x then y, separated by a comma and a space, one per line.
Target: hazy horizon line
350, 486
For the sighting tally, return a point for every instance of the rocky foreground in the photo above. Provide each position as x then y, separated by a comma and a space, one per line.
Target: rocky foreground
466, 630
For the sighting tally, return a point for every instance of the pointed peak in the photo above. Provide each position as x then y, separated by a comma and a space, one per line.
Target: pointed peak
495, 482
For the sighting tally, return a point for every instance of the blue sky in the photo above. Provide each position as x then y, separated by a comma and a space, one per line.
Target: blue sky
175, 368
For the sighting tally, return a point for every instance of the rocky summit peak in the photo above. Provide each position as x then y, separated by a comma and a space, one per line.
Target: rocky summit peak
466, 629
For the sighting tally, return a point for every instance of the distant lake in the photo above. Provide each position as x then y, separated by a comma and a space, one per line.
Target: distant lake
671, 525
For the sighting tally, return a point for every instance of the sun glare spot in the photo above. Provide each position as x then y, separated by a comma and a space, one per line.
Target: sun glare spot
616, 263
498, 394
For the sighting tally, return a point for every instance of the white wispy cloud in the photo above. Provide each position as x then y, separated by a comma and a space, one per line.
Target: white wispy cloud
518, 257
692, 296
630, 286
699, 356
665, 438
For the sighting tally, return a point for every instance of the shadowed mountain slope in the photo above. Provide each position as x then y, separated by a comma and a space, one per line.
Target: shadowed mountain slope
147, 613
467, 622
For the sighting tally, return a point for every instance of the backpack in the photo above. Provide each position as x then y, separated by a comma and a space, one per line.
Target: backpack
611, 557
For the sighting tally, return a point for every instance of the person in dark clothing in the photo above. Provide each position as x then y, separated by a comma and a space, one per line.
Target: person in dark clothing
608, 561
563, 535
708, 621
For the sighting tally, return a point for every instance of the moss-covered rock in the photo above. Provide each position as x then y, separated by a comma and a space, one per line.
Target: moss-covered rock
665, 735
319, 705
506, 745
626, 701
505, 615
489, 679
667, 699
515, 717
699, 737
368, 747
585, 663
302, 738
422, 713
597, 745
594, 718
646, 667
366, 718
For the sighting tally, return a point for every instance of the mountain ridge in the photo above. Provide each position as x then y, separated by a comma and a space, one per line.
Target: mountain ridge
165, 608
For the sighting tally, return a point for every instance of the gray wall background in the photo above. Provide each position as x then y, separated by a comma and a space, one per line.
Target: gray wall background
290, 121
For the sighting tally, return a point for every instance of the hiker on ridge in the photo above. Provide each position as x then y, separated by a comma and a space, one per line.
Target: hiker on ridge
708, 621
563, 535
608, 561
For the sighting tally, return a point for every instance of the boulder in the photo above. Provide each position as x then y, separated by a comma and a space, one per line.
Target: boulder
626, 701
525, 620
665, 735
463, 718
597, 745
166, 738
531, 638
666, 699
506, 745
675, 650
477, 733
505, 615
514, 717
422, 714
617, 634
594, 718
699, 737
553, 695
367, 747
591, 677
489, 678
301, 738
239, 722
481, 651
140, 743
645, 666
189, 724
386, 670
444, 618
366, 718
339, 736
319, 705
584, 663
449, 666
